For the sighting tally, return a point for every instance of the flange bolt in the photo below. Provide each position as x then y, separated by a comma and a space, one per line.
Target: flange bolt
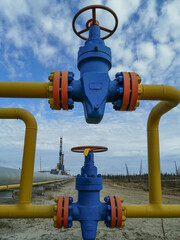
70, 103
51, 76
120, 79
70, 76
118, 74
107, 199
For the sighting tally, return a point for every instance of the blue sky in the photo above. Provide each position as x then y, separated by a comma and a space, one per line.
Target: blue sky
36, 37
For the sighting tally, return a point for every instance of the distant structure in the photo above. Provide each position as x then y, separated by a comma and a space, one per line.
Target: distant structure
140, 170
176, 168
127, 172
61, 157
178, 171
40, 165
60, 164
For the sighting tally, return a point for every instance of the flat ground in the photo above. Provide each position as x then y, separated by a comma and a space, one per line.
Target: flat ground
147, 229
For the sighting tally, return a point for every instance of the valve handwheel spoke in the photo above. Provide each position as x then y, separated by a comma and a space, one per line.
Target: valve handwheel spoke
106, 29
94, 15
94, 149
94, 21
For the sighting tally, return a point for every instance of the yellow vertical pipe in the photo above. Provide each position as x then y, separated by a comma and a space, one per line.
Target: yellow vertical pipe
161, 108
29, 150
171, 97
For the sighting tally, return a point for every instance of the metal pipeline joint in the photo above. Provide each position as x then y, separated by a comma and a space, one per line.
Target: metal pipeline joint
94, 88
88, 210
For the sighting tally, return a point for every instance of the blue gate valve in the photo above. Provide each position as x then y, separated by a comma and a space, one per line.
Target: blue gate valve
94, 88
88, 210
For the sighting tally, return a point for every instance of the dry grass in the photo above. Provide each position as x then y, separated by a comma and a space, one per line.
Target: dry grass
50, 195
170, 183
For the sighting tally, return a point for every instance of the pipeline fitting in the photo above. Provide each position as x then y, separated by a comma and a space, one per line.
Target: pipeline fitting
120, 89
61, 90
115, 217
63, 218
128, 91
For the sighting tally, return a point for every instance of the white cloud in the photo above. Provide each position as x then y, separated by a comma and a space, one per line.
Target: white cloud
44, 52
141, 66
168, 25
165, 55
14, 9
146, 50
14, 34
148, 16
123, 9
44, 27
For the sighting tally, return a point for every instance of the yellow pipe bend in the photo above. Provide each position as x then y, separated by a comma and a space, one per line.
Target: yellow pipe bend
170, 97
155, 195
158, 92
29, 149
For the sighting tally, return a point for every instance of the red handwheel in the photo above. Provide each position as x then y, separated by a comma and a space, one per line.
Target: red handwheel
93, 21
94, 149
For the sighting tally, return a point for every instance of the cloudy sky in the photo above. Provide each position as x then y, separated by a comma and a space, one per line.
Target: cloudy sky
36, 37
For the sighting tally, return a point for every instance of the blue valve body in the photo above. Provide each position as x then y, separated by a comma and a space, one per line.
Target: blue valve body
88, 209
94, 88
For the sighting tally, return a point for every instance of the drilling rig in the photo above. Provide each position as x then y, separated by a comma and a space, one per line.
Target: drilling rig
60, 165
61, 157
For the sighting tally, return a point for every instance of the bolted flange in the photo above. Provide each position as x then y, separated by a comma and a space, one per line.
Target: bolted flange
120, 89
61, 90
115, 217
63, 218
129, 91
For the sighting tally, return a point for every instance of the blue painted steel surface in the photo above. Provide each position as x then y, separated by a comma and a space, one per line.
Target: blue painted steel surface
88, 209
94, 88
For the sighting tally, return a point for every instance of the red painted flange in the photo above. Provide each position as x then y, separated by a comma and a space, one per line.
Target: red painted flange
59, 212
56, 81
113, 212
126, 95
116, 212
66, 209
134, 93
64, 90
119, 211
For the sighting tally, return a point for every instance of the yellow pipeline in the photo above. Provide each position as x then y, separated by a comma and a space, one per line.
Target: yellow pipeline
158, 92
26, 89
29, 149
27, 211
24, 207
13, 186
152, 211
170, 97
